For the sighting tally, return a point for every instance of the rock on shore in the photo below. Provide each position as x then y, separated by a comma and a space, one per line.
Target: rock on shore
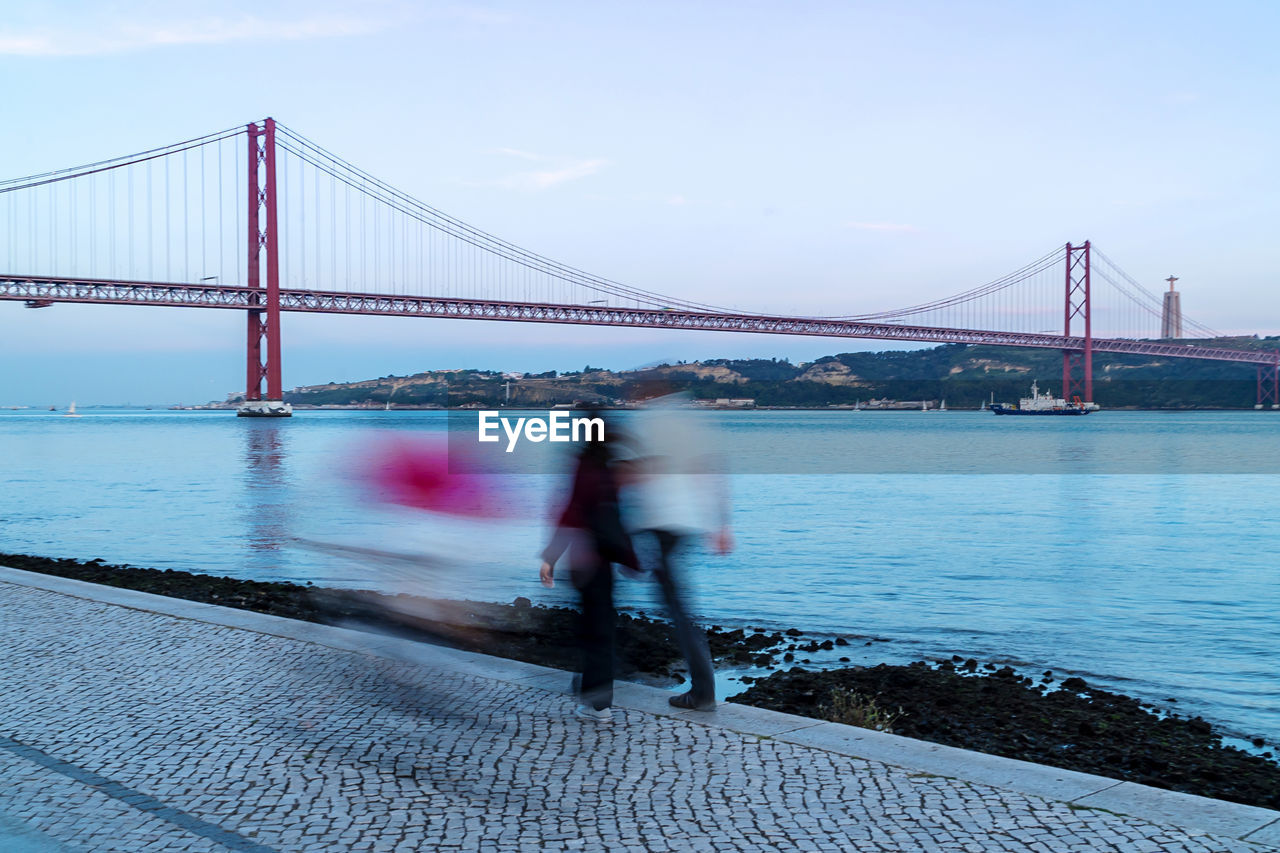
520, 631
1064, 724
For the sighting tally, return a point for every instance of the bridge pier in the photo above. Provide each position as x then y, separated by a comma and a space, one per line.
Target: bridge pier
263, 365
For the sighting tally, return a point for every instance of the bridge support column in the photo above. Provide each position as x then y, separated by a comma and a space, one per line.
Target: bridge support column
263, 364
1269, 385
1077, 363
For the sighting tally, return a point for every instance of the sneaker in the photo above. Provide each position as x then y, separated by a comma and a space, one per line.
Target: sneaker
686, 701
586, 712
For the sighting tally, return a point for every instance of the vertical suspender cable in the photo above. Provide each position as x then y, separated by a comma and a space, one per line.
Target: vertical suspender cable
204, 237
236, 234
129, 236
302, 220
316, 217
73, 220
168, 237
315, 199
93, 225
111, 221
333, 234
282, 204
222, 218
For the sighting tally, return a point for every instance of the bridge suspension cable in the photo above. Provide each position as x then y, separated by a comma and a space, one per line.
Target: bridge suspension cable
363, 182
1018, 276
1109, 270
1126, 309
58, 175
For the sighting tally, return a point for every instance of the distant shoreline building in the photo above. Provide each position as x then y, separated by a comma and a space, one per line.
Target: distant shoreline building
728, 403
1171, 318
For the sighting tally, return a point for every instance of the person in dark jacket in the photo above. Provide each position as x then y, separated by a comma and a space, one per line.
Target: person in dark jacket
590, 528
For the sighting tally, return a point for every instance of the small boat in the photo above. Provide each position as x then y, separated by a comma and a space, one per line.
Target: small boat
1044, 404
71, 411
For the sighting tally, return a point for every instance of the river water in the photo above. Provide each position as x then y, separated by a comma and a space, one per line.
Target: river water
1138, 550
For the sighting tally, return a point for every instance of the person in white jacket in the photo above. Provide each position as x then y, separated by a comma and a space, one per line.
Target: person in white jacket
679, 494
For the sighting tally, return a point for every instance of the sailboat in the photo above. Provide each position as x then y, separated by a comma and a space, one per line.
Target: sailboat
71, 411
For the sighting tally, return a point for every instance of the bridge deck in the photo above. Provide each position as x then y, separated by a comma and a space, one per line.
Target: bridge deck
37, 289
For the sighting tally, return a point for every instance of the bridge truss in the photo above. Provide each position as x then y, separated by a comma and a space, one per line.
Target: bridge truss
46, 291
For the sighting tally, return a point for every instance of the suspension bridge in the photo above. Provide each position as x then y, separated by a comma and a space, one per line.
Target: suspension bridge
262, 220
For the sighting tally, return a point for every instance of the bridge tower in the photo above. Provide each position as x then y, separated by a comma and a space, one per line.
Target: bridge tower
1077, 363
263, 239
1269, 384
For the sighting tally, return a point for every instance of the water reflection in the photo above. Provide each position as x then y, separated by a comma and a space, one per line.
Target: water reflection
266, 504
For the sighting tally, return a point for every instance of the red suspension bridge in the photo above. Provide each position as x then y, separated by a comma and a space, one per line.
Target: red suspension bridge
262, 220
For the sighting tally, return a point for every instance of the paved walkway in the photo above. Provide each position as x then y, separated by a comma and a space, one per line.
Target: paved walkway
132, 722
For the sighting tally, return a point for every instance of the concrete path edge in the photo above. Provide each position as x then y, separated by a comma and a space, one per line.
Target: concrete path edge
1083, 790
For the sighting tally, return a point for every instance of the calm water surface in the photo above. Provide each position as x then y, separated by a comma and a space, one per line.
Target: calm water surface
939, 534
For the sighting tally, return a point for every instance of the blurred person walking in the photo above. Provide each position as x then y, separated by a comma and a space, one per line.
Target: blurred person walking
680, 496
590, 528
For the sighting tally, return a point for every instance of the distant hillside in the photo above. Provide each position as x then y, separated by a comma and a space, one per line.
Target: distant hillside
962, 375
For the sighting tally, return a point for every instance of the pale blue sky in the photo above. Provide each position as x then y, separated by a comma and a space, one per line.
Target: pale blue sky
826, 158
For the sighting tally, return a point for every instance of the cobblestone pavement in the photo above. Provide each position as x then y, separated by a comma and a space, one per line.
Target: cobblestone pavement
122, 729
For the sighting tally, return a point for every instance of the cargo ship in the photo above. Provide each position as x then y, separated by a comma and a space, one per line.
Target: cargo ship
1044, 404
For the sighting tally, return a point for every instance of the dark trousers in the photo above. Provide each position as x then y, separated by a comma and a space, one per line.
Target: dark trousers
691, 639
593, 578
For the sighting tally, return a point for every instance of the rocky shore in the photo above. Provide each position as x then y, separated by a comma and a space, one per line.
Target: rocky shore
1063, 723
520, 631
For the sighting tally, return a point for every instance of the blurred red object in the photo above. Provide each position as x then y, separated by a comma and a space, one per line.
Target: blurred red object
422, 474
